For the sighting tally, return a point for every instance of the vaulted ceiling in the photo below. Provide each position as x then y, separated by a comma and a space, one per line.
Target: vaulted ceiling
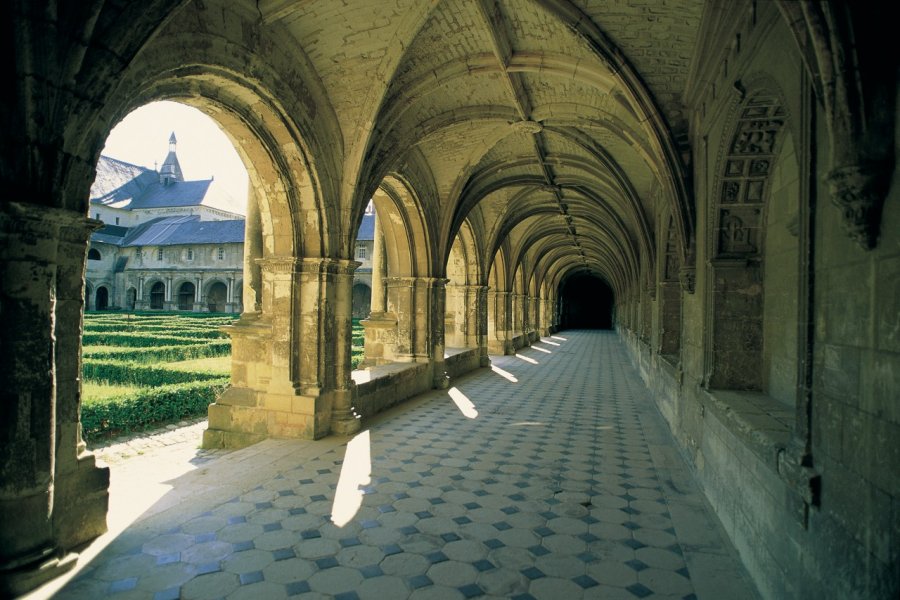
555, 128
552, 126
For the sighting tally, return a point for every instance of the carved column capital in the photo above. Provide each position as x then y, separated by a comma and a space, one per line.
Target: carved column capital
859, 191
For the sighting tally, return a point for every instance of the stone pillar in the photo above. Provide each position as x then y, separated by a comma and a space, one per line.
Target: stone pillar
291, 362
81, 489
455, 315
168, 304
253, 251
33, 239
339, 276
198, 294
519, 319
437, 301
379, 271
499, 341
380, 328
139, 302
533, 319
480, 322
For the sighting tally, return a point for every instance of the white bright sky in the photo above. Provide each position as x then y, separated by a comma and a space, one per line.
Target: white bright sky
142, 138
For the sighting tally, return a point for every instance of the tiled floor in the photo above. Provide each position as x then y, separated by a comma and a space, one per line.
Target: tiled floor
550, 475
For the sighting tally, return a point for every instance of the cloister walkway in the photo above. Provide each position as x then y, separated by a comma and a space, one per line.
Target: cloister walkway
549, 475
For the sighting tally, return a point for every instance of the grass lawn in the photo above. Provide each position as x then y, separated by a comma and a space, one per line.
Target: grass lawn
213, 364
145, 366
96, 391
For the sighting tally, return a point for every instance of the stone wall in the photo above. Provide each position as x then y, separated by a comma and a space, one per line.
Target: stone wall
825, 521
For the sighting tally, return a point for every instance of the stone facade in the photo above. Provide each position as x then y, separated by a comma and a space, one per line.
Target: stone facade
726, 168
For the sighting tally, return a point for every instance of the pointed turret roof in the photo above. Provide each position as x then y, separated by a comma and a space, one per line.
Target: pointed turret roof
170, 172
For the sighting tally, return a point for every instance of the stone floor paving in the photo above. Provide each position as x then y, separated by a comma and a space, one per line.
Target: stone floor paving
550, 475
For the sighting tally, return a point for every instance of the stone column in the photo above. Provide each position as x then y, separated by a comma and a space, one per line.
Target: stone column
380, 329
339, 278
499, 341
456, 303
481, 324
291, 364
253, 251
379, 270
168, 304
198, 294
81, 489
437, 301
29, 295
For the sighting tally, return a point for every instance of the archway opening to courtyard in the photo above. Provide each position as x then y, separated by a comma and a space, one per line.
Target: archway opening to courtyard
102, 302
586, 302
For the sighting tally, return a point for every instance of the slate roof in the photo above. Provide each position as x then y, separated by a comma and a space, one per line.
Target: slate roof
172, 231
366, 228
110, 234
122, 185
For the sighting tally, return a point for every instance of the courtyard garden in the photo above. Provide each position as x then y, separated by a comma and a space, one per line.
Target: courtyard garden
147, 369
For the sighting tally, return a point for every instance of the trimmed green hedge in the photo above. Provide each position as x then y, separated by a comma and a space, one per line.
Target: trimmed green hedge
150, 406
125, 373
162, 353
177, 329
135, 339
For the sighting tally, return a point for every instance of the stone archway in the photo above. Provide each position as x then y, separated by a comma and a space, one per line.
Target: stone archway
187, 293
158, 296
361, 300
217, 297
101, 301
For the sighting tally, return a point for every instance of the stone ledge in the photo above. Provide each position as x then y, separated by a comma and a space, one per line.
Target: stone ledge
383, 386
763, 423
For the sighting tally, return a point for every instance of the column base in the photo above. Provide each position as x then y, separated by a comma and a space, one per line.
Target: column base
243, 417
81, 502
19, 581
347, 426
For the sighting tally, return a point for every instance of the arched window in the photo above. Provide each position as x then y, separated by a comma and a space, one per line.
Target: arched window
94, 254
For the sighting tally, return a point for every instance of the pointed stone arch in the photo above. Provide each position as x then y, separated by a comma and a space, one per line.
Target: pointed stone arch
756, 131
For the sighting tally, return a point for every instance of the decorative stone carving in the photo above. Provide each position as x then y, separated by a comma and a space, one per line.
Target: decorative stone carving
859, 191
528, 126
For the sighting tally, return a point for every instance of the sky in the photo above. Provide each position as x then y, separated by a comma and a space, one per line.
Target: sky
142, 138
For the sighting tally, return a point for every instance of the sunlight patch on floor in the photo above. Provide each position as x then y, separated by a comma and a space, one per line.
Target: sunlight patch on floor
356, 472
549, 342
527, 359
539, 349
504, 374
463, 403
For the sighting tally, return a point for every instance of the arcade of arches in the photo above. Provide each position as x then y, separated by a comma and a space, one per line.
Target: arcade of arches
714, 179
